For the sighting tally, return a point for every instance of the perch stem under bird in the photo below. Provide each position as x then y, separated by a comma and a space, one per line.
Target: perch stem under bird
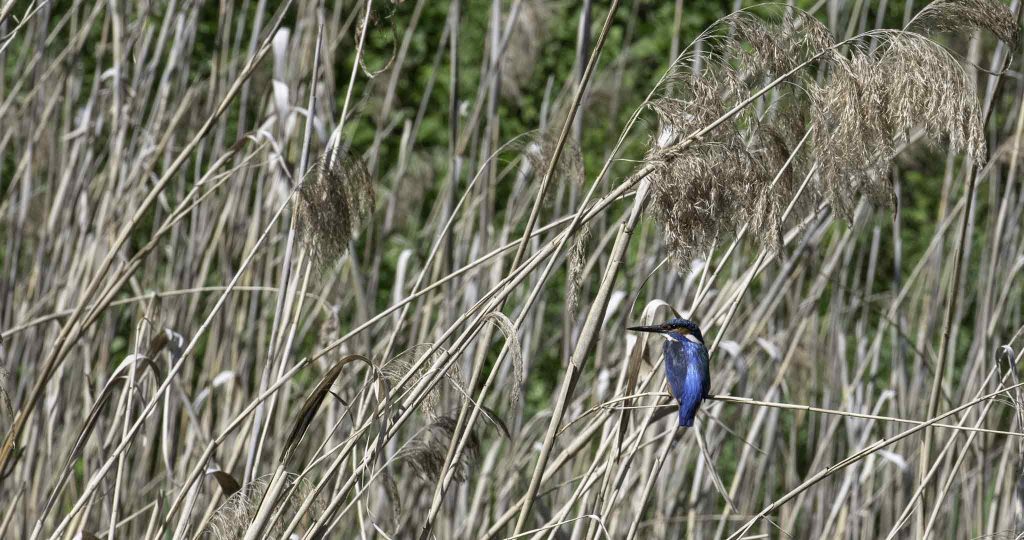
686, 364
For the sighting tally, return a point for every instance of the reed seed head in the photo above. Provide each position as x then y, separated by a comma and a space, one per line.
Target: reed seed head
235, 514
525, 43
335, 199
426, 453
860, 110
570, 161
965, 15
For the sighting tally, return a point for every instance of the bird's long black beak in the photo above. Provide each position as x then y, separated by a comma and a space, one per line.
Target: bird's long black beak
655, 329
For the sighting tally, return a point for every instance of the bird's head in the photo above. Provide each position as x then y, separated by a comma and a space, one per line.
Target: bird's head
674, 329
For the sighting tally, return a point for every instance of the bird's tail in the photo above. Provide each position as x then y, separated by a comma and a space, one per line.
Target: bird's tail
686, 418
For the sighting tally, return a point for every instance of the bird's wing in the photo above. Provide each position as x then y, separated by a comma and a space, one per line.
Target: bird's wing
675, 367
705, 372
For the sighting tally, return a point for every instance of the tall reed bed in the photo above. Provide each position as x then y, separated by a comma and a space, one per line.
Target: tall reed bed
362, 269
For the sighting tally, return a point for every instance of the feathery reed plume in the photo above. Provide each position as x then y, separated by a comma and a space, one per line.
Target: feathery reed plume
237, 511
570, 162
577, 260
758, 48
394, 496
962, 15
696, 192
398, 366
695, 197
525, 42
872, 101
426, 453
330, 331
851, 145
768, 202
730, 177
864, 108
334, 201
515, 351
5, 397
931, 91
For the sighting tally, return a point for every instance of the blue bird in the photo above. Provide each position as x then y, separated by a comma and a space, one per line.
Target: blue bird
686, 364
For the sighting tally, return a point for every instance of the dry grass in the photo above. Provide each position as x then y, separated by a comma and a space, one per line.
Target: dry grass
205, 225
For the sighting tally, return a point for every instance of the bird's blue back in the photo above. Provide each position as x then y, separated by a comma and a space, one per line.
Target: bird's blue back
687, 371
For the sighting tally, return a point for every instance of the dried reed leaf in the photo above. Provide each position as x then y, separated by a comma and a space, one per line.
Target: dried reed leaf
715, 479
165, 339
228, 485
495, 420
1018, 500
636, 358
96, 413
279, 50
313, 402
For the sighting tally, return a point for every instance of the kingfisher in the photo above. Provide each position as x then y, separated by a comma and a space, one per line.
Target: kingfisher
686, 364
